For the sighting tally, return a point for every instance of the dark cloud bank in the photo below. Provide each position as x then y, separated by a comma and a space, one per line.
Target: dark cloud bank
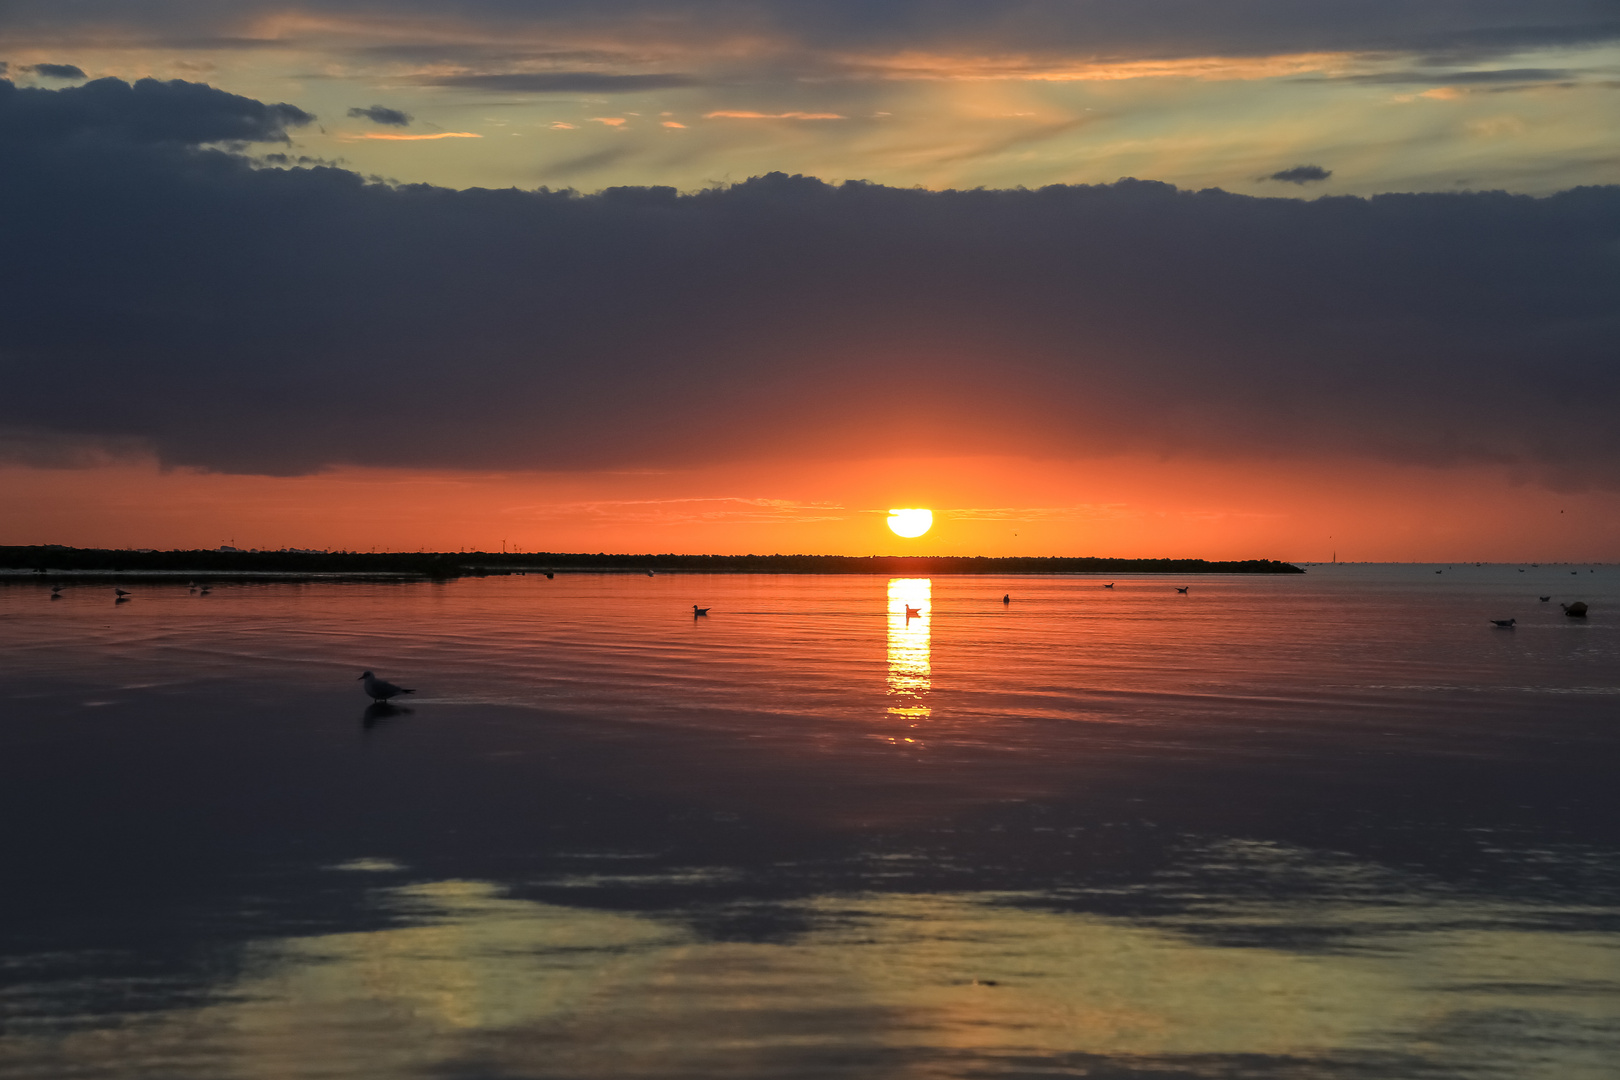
1450, 29
270, 320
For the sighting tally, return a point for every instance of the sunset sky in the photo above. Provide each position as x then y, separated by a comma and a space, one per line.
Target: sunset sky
1099, 277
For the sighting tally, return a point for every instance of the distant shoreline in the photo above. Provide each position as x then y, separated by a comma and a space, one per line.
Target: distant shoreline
49, 559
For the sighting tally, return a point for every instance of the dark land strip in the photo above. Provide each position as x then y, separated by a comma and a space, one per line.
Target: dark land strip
46, 559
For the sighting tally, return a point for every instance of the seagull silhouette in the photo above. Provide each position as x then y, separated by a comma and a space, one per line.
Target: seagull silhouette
380, 689
696, 611
1110, 585
1508, 623
1007, 599
1182, 588
1544, 599
913, 612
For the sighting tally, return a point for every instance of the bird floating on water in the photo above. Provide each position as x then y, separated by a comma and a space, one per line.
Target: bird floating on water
1007, 599
649, 573
1182, 588
549, 575
913, 612
1110, 585
380, 689
1577, 610
1507, 623
696, 611
1544, 599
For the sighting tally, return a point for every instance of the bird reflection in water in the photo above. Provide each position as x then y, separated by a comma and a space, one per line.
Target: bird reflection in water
909, 616
381, 710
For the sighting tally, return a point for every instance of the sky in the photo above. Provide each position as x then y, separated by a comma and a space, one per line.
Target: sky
1153, 278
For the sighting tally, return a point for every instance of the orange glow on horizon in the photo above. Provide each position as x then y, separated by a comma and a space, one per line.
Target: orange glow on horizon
993, 506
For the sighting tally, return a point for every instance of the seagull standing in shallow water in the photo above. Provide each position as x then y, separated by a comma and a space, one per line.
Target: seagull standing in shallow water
380, 689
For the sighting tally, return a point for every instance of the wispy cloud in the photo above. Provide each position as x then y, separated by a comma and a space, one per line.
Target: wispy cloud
1078, 512
393, 136
953, 67
739, 114
560, 82
686, 511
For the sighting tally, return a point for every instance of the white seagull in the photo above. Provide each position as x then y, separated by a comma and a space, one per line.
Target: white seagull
381, 690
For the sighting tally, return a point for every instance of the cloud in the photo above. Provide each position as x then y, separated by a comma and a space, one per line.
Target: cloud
390, 136
109, 112
1143, 29
716, 510
252, 319
1496, 79
381, 114
738, 114
1301, 174
57, 71
561, 82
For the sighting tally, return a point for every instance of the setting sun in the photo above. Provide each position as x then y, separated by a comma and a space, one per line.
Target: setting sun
913, 522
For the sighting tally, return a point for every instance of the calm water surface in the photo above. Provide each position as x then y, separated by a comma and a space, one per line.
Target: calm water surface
1326, 826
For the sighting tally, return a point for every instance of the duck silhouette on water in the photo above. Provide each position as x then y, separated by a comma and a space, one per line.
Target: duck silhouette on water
696, 611
1577, 610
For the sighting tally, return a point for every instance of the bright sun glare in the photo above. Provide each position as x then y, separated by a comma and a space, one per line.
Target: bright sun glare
913, 522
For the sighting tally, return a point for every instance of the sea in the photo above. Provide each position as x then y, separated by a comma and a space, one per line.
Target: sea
1328, 825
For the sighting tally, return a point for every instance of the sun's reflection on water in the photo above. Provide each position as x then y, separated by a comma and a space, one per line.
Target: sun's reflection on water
910, 609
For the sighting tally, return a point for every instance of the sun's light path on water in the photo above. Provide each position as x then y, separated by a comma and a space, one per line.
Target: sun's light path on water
910, 607
912, 522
